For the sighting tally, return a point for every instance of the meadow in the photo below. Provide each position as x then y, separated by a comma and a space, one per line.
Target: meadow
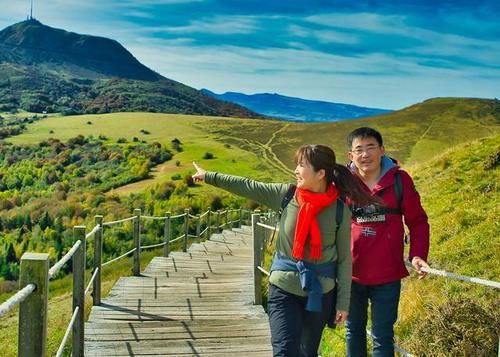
450, 146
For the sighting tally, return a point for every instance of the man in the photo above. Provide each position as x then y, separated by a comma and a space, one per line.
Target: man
377, 243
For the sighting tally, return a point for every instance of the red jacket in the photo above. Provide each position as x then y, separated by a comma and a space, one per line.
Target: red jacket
377, 246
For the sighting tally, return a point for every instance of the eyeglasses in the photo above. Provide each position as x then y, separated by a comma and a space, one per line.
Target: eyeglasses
368, 150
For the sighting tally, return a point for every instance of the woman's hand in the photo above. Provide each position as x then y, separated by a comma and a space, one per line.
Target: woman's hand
200, 173
340, 317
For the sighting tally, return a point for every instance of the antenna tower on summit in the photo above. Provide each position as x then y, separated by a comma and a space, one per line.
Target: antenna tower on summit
31, 10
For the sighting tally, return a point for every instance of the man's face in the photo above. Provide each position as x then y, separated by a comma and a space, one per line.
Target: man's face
366, 154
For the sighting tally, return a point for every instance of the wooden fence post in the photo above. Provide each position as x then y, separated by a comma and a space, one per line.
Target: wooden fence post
257, 246
186, 229
79, 292
229, 225
136, 270
166, 235
96, 291
240, 219
209, 223
32, 338
217, 221
198, 227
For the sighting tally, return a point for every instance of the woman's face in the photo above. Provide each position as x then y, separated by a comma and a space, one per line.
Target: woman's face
307, 178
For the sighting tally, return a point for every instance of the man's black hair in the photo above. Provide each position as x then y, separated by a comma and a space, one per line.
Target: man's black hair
363, 133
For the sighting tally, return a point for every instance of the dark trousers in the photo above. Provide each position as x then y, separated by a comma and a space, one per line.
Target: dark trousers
384, 300
294, 331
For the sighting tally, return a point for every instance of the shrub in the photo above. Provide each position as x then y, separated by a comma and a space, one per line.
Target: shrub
216, 203
188, 180
465, 329
208, 156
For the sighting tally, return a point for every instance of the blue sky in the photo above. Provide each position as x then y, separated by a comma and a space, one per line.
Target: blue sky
386, 54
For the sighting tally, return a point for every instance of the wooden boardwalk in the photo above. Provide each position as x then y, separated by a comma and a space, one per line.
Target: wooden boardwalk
198, 303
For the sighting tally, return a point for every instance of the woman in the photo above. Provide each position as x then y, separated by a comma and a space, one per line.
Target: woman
308, 249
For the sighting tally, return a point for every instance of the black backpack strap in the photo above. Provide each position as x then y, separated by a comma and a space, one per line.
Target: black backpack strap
286, 199
398, 189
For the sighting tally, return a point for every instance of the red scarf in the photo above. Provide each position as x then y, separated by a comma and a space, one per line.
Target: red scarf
311, 203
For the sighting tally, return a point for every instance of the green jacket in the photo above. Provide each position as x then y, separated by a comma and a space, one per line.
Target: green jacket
271, 195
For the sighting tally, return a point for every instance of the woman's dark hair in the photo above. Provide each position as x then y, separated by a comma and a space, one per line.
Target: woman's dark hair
322, 157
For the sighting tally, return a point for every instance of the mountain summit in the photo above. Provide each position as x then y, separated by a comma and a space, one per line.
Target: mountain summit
43, 69
30, 43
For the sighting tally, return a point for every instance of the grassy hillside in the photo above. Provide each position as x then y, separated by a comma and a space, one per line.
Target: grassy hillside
438, 316
412, 135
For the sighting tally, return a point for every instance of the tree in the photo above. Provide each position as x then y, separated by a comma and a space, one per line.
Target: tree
11, 254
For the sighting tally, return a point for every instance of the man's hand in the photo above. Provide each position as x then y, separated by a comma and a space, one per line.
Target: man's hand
200, 173
418, 263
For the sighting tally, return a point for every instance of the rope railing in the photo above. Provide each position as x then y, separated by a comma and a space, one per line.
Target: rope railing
154, 217
118, 258
53, 271
17, 298
68, 330
118, 221
153, 245
176, 239
445, 274
92, 232
91, 281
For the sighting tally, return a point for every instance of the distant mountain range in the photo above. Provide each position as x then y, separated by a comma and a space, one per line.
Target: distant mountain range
296, 109
43, 69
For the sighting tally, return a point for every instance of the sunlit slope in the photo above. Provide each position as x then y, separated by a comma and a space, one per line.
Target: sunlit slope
412, 135
444, 317
232, 154
460, 191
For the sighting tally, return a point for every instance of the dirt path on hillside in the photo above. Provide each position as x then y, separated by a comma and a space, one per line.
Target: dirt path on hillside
264, 151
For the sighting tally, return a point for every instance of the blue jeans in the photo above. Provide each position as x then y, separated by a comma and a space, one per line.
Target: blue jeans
294, 331
384, 299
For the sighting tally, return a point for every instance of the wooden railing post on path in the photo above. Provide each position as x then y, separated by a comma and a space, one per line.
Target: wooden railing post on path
257, 247
198, 227
96, 290
240, 219
217, 221
166, 235
209, 223
229, 225
79, 292
186, 229
32, 338
136, 270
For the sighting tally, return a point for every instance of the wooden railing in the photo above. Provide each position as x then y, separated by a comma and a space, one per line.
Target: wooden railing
35, 274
